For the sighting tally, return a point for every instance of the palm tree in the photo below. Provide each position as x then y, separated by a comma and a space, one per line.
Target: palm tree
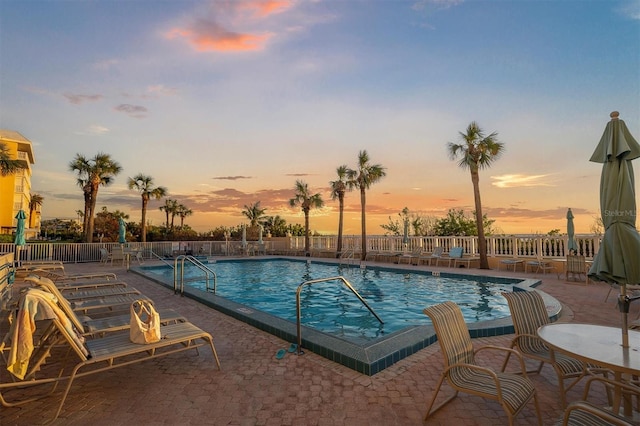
93, 173
254, 213
145, 186
9, 166
35, 202
477, 151
338, 189
276, 226
183, 211
306, 201
169, 208
366, 175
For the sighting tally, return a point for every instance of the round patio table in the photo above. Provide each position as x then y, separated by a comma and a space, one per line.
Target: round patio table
600, 345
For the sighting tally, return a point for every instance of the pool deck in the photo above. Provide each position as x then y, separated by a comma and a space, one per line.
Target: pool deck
254, 388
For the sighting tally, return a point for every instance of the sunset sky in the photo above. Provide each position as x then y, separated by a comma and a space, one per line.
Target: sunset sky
227, 103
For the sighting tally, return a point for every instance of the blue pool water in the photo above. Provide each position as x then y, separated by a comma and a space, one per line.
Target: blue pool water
398, 297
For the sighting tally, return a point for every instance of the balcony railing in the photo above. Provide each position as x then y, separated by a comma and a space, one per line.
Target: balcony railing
524, 246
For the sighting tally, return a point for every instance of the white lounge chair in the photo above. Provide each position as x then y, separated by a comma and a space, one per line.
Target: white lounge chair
435, 255
92, 356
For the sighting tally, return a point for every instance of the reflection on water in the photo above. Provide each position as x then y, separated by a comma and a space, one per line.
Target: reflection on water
397, 297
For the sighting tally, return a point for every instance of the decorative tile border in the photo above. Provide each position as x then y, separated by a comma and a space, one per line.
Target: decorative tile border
372, 357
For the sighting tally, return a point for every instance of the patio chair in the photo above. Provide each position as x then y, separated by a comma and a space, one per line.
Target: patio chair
528, 313
511, 391
514, 262
446, 257
118, 255
455, 254
580, 413
538, 265
92, 356
371, 255
409, 257
576, 267
105, 256
632, 290
435, 255
460, 259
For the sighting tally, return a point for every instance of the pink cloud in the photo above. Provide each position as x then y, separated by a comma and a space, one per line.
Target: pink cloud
266, 8
221, 31
208, 36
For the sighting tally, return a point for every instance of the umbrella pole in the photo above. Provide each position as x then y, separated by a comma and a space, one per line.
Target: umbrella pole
623, 306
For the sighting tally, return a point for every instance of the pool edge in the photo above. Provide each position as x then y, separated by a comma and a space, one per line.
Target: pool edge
369, 358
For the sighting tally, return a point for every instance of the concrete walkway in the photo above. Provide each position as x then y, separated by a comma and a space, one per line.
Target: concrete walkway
254, 388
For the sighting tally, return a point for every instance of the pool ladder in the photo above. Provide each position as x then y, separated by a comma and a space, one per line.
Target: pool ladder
208, 273
348, 257
321, 280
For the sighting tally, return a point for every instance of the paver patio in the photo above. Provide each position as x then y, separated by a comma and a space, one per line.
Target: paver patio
254, 388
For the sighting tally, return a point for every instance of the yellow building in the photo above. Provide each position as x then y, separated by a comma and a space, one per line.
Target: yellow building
15, 189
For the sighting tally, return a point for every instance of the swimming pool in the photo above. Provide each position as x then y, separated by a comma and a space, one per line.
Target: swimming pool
398, 297
336, 324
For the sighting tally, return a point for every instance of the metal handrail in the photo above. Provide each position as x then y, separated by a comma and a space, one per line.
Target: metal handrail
298, 308
347, 256
6, 285
160, 258
191, 259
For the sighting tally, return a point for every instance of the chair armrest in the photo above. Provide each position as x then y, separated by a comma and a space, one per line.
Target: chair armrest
593, 411
486, 370
606, 382
509, 351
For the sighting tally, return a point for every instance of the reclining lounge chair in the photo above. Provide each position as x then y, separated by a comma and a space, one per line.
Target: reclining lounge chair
88, 300
92, 356
107, 323
435, 255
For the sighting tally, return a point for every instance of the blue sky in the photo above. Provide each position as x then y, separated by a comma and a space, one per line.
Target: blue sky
227, 103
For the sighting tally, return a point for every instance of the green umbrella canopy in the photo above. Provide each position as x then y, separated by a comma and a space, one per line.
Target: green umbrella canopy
617, 258
571, 232
20, 240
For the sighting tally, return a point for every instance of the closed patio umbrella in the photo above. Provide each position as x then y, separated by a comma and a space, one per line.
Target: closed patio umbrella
571, 233
244, 237
122, 231
617, 258
260, 228
19, 240
405, 237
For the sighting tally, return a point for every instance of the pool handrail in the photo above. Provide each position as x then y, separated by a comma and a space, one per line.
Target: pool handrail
347, 256
198, 264
160, 258
319, 280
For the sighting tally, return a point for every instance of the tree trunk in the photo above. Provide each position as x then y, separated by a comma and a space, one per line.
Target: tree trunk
92, 209
87, 209
340, 225
306, 232
143, 225
482, 242
363, 203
